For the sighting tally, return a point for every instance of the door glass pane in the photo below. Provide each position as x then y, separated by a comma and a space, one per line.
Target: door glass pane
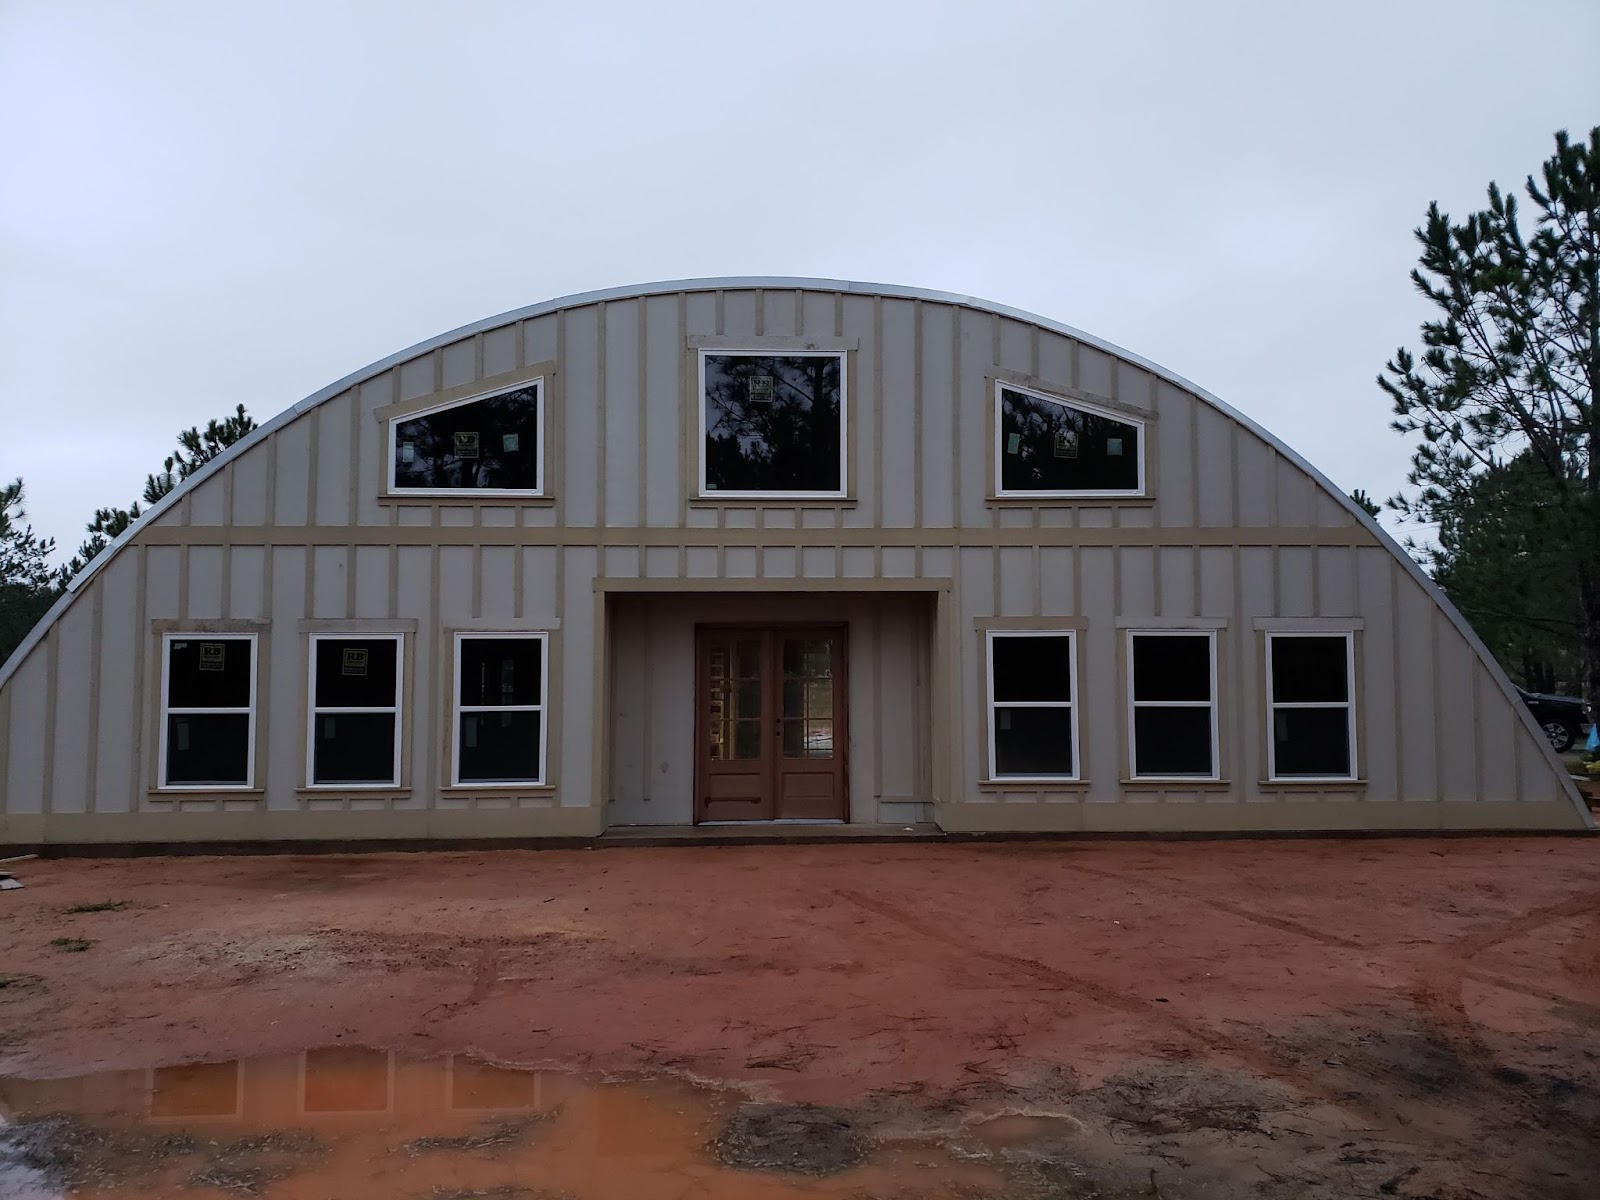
733, 713
808, 697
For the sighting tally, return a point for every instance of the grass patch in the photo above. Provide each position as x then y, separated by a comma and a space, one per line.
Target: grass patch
71, 945
102, 906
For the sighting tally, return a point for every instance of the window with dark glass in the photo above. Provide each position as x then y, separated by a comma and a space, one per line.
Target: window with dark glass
1173, 725
355, 711
500, 686
1046, 445
1310, 710
1033, 729
208, 712
772, 424
486, 444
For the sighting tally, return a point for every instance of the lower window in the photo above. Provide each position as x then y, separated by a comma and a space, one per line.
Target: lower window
1172, 689
208, 711
499, 708
1033, 720
1310, 706
354, 738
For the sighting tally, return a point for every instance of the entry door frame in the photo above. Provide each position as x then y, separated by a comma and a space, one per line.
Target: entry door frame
772, 636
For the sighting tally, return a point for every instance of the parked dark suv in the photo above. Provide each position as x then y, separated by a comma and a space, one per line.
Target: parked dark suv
1561, 717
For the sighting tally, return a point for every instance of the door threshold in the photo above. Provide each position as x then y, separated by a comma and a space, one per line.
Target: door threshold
779, 821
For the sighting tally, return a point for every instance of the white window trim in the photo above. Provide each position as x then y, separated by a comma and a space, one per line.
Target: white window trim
1073, 703
167, 711
537, 383
313, 711
542, 708
843, 490
1134, 704
1349, 704
1123, 418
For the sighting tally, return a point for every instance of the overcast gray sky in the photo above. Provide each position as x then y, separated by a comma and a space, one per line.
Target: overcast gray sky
211, 203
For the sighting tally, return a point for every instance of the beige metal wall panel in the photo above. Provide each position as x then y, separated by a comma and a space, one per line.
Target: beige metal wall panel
896, 422
623, 420
1336, 581
208, 502
1218, 566
1177, 570
208, 577
76, 637
860, 318
497, 589
1214, 468
663, 370
457, 566
119, 685
283, 658
1455, 667
371, 450
1255, 481
330, 582
247, 581
1417, 693
972, 362
739, 315
163, 599
1136, 581
936, 418
26, 761
1296, 587
1017, 576
374, 587
579, 657
1495, 741
250, 478
1056, 589
1296, 502
1171, 453
290, 483
1096, 689
458, 363
1376, 579
336, 460
581, 468
780, 314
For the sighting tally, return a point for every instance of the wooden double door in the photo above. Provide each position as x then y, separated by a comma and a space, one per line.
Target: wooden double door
770, 723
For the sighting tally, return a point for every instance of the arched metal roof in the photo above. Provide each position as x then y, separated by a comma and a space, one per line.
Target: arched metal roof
742, 283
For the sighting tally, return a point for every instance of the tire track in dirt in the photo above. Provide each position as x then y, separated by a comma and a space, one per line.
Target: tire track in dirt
1282, 924
1265, 1061
1534, 918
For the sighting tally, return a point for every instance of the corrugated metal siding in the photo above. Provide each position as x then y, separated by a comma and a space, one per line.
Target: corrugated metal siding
293, 529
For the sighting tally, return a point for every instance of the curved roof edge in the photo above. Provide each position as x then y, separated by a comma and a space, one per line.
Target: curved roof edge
737, 282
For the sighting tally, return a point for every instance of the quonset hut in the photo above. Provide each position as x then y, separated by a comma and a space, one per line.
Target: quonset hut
753, 550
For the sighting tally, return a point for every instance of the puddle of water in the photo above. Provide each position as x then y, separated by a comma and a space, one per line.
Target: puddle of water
1025, 1129
347, 1122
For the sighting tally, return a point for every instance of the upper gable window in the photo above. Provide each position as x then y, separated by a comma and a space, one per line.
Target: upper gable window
1046, 446
484, 445
772, 424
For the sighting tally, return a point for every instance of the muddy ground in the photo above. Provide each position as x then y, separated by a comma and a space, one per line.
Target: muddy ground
1206, 1019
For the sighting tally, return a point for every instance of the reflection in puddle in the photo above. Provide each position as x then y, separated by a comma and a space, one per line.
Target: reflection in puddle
352, 1122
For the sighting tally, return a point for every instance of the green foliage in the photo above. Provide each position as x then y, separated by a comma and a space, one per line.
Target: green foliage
1366, 502
28, 586
195, 449
1502, 399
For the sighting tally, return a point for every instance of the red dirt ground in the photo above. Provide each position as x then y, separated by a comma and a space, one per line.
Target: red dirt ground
1416, 1015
